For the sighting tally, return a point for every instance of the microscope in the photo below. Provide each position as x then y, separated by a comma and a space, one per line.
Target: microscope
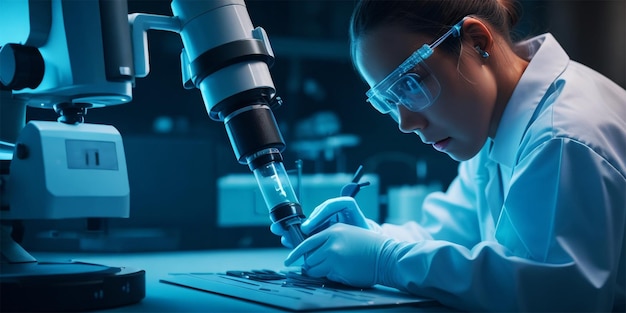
72, 56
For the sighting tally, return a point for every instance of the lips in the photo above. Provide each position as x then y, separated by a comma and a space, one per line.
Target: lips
441, 144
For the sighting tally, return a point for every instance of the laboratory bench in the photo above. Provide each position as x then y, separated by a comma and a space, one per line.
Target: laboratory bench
163, 297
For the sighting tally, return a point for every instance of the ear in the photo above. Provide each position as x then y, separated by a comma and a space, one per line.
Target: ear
478, 34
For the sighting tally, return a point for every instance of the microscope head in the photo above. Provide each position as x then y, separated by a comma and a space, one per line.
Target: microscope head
228, 60
66, 55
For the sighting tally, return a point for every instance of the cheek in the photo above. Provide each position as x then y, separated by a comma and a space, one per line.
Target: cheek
473, 98
468, 104
468, 96
466, 108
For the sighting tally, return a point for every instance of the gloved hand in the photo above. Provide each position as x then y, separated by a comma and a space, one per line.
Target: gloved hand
335, 210
342, 253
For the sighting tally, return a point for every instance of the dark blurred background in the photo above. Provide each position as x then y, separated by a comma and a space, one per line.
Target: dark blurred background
175, 153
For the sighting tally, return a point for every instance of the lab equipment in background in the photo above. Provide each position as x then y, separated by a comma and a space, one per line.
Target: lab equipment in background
239, 191
404, 203
74, 55
318, 138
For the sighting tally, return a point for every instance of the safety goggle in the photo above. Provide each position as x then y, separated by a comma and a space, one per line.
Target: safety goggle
411, 84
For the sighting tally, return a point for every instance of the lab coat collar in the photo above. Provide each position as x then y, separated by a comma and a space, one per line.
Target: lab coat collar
548, 61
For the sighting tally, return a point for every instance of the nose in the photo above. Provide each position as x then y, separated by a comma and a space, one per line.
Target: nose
410, 121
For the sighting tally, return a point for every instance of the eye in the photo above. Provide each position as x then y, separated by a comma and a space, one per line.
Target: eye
412, 85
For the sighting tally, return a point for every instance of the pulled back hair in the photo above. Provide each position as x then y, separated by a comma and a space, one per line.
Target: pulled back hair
432, 17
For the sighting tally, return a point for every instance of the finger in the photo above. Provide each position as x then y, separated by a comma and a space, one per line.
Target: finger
329, 207
321, 253
310, 244
321, 269
325, 210
285, 242
324, 225
276, 229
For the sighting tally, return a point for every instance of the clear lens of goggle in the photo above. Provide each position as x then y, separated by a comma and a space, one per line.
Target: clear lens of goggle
412, 83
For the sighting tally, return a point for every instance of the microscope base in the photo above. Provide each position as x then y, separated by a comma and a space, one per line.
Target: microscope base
68, 286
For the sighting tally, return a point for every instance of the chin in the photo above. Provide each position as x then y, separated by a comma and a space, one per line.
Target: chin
458, 158
461, 156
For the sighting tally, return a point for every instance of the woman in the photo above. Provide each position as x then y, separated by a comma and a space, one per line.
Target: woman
535, 219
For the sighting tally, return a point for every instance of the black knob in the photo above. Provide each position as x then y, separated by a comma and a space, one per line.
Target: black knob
21, 151
20, 66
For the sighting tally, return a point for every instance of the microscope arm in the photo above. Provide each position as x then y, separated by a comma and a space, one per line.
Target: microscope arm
140, 24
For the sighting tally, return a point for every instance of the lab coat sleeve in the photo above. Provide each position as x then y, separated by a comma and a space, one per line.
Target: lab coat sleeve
447, 216
557, 243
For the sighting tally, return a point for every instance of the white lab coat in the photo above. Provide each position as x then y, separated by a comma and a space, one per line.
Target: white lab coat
547, 233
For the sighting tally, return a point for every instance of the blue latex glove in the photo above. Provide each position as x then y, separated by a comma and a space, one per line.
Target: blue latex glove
342, 253
335, 210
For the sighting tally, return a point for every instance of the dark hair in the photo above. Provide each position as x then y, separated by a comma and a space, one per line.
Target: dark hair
432, 17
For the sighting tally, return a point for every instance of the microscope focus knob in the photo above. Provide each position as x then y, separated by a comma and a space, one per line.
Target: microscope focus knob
20, 66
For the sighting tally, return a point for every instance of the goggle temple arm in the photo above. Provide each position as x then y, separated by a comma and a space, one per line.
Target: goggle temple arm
455, 31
